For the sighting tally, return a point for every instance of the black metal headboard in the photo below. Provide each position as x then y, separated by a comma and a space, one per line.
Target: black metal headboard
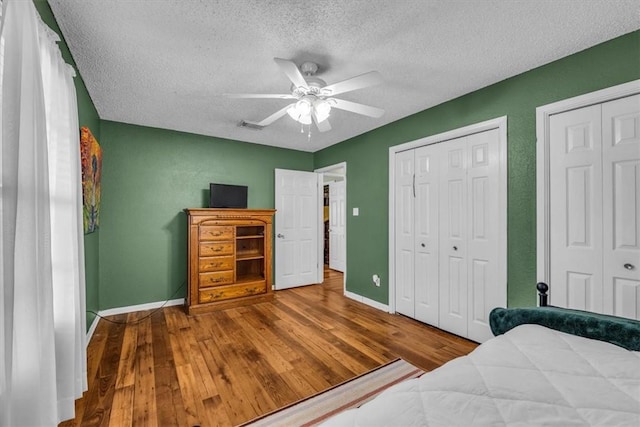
543, 298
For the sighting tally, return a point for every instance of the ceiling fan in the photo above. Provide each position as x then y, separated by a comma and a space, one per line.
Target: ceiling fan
314, 99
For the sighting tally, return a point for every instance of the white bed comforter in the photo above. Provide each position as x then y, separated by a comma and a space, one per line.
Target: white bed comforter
531, 375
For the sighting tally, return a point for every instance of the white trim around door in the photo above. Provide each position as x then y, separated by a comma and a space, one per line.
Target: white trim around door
340, 169
543, 115
499, 123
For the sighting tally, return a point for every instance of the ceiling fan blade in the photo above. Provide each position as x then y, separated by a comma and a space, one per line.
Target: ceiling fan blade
272, 118
292, 71
354, 107
371, 78
259, 95
323, 126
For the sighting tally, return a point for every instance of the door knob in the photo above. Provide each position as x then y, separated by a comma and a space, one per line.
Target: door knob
455, 248
423, 245
280, 236
629, 266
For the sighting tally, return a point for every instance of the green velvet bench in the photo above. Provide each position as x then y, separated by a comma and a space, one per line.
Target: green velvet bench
615, 330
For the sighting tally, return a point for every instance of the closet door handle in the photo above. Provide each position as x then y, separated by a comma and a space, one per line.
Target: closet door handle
414, 185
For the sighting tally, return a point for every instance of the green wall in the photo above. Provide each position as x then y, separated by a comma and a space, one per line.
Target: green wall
88, 116
367, 156
149, 176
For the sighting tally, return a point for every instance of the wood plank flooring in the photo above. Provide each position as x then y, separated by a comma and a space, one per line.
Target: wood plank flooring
230, 366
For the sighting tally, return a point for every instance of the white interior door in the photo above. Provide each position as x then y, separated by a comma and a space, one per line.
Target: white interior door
453, 237
337, 219
404, 234
621, 206
471, 228
483, 237
297, 228
425, 242
576, 209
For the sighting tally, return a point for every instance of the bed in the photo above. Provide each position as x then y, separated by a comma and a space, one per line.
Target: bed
545, 366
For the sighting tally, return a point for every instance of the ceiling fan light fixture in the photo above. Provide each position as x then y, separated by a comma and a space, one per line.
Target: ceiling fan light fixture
307, 106
304, 106
322, 109
305, 120
295, 113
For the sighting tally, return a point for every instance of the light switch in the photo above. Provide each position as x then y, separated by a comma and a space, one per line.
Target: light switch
356, 211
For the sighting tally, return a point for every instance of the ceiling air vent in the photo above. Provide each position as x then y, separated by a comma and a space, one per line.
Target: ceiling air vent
250, 125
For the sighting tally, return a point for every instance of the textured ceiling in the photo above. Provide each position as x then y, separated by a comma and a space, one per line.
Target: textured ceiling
165, 64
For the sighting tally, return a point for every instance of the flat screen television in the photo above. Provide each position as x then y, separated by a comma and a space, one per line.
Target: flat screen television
227, 196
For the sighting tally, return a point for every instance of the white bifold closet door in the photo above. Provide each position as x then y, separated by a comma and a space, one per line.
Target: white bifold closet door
404, 233
416, 213
469, 229
447, 234
594, 175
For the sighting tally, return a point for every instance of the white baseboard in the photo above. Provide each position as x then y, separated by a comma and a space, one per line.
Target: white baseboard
367, 301
141, 307
92, 328
130, 309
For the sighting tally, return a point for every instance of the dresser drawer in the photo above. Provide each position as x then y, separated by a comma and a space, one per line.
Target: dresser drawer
216, 232
218, 263
216, 248
222, 293
216, 278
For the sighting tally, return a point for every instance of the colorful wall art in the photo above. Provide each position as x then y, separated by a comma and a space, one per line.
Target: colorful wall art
91, 159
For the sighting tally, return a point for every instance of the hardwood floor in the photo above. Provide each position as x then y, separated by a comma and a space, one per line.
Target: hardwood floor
227, 367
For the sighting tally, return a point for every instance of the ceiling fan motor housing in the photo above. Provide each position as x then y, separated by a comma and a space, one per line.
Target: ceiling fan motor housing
314, 86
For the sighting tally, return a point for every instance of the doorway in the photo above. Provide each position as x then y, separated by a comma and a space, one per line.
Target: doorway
333, 218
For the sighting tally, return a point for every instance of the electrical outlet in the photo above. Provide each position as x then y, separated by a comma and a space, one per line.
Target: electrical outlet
376, 280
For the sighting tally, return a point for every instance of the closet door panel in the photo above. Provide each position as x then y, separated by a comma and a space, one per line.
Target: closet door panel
426, 234
404, 214
621, 206
576, 209
453, 237
485, 291
448, 233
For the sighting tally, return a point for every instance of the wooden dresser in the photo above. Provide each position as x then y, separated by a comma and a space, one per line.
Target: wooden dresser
229, 257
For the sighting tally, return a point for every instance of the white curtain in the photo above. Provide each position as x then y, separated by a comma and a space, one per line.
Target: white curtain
42, 303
